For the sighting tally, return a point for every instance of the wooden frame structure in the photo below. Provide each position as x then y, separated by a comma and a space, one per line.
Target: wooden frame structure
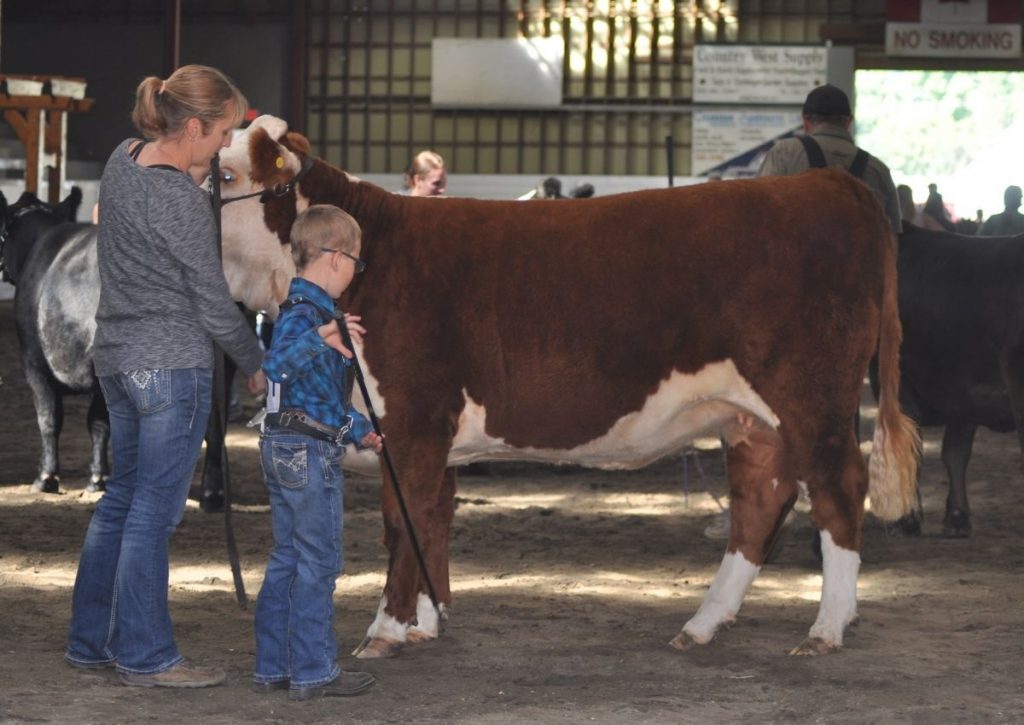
37, 108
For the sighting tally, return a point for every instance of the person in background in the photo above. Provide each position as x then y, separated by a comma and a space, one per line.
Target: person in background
1010, 221
163, 304
827, 141
826, 118
934, 215
908, 209
426, 175
309, 420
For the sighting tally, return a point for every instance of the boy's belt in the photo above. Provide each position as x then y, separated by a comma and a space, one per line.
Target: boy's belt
299, 422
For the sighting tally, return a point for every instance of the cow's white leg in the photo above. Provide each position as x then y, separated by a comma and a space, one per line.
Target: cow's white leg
838, 599
427, 624
386, 635
721, 603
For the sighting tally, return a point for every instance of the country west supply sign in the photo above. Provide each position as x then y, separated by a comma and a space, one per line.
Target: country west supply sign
755, 80
953, 28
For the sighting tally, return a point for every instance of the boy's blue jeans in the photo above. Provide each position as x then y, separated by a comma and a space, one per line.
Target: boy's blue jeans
119, 610
295, 608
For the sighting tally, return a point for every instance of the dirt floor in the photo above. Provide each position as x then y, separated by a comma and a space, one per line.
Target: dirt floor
567, 583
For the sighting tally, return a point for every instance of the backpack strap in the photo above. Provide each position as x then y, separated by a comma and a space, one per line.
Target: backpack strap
815, 156
860, 164
300, 300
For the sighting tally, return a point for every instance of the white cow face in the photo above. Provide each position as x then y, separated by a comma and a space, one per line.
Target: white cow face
258, 267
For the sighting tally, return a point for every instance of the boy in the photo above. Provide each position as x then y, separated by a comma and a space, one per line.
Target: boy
309, 421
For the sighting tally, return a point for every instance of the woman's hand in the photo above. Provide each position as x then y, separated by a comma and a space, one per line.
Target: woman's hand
257, 383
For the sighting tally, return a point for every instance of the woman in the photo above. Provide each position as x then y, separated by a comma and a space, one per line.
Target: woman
163, 303
426, 175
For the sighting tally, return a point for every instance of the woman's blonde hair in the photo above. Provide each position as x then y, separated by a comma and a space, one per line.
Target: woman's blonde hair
422, 164
322, 226
162, 107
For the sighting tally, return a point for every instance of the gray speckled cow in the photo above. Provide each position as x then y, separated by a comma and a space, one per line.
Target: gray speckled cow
52, 262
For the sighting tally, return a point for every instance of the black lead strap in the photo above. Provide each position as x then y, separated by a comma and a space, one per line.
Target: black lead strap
221, 391
347, 339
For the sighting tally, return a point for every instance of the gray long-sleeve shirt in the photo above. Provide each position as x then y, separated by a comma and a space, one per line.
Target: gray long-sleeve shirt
163, 296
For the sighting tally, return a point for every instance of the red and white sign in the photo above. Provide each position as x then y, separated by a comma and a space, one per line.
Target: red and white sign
953, 28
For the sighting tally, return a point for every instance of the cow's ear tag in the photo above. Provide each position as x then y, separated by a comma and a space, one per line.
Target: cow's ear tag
279, 162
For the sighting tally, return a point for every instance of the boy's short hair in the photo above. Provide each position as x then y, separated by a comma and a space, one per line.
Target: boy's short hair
322, 226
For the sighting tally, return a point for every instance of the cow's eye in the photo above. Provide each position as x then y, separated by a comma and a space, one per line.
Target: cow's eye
227, 176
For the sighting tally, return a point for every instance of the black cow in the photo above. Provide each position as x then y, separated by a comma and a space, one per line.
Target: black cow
962, 360
52, 327
52, 262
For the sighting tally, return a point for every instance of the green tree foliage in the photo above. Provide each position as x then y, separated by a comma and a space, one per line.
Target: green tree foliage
933, 123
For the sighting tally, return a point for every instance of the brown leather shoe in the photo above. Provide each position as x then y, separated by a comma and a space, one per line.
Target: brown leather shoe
266, 687
344, 685
182, 674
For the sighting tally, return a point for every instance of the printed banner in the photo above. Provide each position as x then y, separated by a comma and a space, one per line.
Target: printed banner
774, 74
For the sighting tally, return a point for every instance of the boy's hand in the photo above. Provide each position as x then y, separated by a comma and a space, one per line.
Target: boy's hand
374, 441
354, 328
331, 336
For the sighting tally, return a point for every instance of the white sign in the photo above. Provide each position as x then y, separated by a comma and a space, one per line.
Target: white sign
947, 41
496, 73
961, 29
722, 135
776, 74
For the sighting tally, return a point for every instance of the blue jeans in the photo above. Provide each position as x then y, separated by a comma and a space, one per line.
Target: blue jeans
119, 608
295, 608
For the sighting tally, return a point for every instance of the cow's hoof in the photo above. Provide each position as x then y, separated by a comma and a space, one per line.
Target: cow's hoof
909, 525
212, 503
813, 646
957, 525
373, 648
46, 484
96, 484
415, 635
684, 641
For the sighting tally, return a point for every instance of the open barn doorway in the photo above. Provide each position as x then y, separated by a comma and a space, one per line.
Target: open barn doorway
959, 130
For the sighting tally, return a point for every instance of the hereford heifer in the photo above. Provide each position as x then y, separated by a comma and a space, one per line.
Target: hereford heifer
962, 365
609, 332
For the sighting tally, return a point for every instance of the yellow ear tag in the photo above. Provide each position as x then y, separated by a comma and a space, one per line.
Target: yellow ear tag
279, 163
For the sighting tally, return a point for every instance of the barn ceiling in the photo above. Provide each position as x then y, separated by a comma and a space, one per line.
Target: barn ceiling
141, 10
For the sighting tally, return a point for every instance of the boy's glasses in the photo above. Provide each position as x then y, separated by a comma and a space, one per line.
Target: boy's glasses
359, 263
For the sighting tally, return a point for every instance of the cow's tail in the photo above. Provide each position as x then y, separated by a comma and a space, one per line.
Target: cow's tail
896, 448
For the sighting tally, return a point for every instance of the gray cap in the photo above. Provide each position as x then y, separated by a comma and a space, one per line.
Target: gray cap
827, 100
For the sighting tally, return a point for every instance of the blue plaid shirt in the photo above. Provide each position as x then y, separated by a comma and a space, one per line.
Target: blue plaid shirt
311, 374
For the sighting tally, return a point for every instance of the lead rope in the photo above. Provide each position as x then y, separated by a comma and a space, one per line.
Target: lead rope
413, 540
221, 393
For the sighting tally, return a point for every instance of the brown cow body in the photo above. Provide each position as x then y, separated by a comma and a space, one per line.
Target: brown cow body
610, 332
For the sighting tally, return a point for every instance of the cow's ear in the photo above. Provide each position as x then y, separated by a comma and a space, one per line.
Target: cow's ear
274, 126
297, 142
68, 209
266, 157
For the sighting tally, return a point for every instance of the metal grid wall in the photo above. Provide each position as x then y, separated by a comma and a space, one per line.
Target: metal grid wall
800, 21
626, 84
